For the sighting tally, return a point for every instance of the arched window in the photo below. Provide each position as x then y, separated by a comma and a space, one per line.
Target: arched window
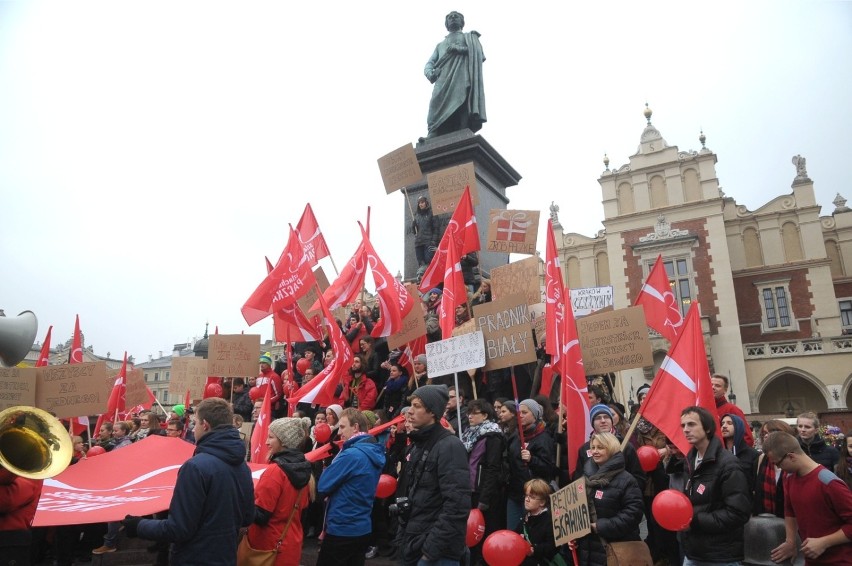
602, 268
792, 243
659, 198
573, 268
691, 186
751, 244
625, 199
833, 253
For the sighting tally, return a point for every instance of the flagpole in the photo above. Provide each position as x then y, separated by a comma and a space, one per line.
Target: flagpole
517, 408
157, 401
458, 405
408, 200
630, 430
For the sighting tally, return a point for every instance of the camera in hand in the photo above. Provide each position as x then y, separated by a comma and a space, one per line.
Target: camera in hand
401, 508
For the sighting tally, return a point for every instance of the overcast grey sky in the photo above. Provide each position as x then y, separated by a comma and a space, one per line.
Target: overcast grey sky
151, 153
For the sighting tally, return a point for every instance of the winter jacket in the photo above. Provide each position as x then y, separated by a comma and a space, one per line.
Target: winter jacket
718, 491
746, 455
631, 463
281, 488
213, 498
542, 462
538, 531
243, 404
725, 407
18, 501
820, 452
365, 395
436, 480
425, 228
486, 464
350, 484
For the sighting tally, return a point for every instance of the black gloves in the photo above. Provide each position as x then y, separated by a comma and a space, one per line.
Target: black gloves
131, 523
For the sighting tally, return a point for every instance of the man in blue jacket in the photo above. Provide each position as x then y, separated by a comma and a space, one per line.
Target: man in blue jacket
213, 496
350, 485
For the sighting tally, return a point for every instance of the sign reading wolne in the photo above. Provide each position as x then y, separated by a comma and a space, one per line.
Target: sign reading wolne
459, 353
71, 390
570, 513
399, 168
17, 387
517, 277
233, 355
188, 373
590, 299
512, 231
505, 325
446, 187
614, 340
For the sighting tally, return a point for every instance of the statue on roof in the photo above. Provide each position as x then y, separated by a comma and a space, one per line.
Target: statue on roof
801, 169
455, 68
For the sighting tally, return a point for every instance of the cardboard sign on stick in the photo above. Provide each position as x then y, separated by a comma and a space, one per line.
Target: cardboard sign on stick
507, 331
459, 353
447, 186
188, 373
399, 168
413, 327
614, 340
570, 513
233, 355
136, 392
72, 390
17, 387
517, 277
311, 296
512, 231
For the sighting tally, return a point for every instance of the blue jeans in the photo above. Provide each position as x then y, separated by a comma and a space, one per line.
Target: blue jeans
690, 562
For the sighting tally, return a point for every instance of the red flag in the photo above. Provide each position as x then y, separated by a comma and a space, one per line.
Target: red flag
292, 320
75, 356
411, 351
454, 293
44, 355
662, 313
575, 390
682, 381
261, 430
116, 403
395, 302
320, 390
290, 279
463, 232
311, 237
348, 285
554, 288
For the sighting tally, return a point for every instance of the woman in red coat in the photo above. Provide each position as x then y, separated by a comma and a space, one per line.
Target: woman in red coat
282, 492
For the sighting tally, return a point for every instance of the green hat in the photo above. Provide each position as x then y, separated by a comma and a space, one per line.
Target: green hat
266, 358
179, 410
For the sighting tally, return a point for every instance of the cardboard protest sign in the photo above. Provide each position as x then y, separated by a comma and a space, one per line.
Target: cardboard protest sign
538, 312
447, 186
136, 392
413, 327
507, 331
512, 231
311, 296
188, 373
614, 340
233, 355
17, 387
465, 328
518, 277
570, 513
587, 300
459, 353
71, 390
399, 168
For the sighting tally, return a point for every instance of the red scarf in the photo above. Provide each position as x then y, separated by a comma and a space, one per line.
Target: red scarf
770, 486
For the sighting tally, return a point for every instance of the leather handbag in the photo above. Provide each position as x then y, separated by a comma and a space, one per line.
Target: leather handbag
628, 553
248, 556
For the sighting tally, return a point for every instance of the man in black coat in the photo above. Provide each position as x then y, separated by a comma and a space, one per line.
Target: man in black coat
433, 494
718, 491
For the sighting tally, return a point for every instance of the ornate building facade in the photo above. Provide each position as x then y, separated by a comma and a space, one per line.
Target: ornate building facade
774, 285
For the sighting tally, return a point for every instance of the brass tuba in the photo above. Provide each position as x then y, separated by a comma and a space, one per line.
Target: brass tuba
16, 337
33, 443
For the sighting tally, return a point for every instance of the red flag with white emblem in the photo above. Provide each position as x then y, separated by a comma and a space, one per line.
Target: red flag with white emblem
44, 355
682, 381
261, 430
662, 313
348, 285
575, 390
311, 237
462, 232
75, 356
395, 302
454, 293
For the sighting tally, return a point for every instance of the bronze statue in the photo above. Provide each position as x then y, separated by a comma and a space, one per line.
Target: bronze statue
455, 68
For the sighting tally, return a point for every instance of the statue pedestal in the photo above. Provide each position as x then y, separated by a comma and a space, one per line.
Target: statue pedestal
493, 176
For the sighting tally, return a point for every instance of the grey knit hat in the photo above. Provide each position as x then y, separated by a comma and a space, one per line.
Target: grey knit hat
289, 431
434, 398
534, 408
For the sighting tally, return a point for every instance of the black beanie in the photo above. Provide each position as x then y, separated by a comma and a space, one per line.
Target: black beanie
434, 398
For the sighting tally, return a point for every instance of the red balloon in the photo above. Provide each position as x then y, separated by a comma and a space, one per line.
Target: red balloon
386, 486
648, 458
505, 548
213, 390
672, 510
95, 451
255, 393
322, 432
302, 365
475, 528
